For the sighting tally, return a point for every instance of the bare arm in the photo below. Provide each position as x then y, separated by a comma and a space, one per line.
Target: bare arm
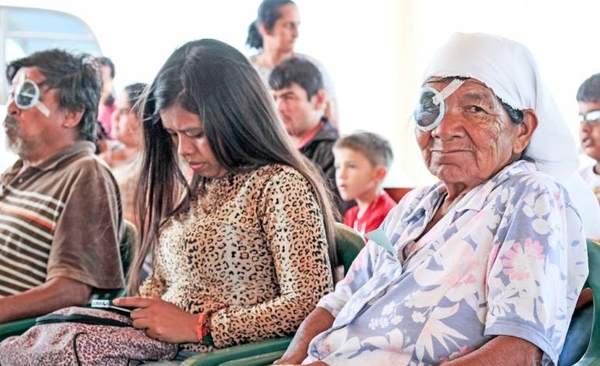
502, 350
55, 294
319, 320
584, 298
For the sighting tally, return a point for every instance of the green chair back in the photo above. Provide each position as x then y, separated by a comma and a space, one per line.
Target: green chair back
591, 356
126, 249
349, 244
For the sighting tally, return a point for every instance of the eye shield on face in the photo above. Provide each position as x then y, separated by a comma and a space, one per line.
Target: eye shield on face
431, 107
26, 95
590, 117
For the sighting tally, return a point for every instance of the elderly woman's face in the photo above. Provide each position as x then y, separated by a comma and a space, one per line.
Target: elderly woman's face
475, 138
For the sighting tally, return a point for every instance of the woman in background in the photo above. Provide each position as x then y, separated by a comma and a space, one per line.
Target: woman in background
123, 153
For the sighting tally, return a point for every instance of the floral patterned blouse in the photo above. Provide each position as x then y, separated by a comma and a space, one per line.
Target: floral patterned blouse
509, 259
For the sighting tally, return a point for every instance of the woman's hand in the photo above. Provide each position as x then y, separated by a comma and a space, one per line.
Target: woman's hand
161, 320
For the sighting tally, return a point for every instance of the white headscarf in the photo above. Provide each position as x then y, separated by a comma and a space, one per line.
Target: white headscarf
510, 70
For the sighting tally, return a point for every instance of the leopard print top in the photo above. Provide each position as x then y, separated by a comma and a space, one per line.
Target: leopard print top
254, 246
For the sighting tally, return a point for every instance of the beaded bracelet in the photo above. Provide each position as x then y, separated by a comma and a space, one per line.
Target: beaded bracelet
203, 328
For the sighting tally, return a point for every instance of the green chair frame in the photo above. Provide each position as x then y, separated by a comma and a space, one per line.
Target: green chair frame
591, 357
349, 244
126, 245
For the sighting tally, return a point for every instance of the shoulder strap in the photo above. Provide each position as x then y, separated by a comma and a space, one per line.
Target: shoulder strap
79, 318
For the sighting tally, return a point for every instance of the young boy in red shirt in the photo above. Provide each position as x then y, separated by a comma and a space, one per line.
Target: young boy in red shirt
362, 161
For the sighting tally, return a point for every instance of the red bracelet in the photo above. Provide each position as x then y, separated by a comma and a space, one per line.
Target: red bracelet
203, 328
199, 323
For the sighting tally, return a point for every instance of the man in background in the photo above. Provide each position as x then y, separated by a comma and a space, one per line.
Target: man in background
297, 86
588, 98
60, 213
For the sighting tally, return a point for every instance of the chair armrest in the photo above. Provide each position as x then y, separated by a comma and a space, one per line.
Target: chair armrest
260, 360
15, 327
219, 356
588, 361
592, 354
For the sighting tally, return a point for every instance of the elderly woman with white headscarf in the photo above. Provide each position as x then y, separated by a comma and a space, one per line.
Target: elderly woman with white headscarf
484, 267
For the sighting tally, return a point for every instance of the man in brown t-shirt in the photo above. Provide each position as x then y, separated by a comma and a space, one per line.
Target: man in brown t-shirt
60, 213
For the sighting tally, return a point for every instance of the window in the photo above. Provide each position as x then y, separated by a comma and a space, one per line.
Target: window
27, 30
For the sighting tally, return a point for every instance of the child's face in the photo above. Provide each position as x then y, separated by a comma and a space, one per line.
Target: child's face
589, 132
355, 176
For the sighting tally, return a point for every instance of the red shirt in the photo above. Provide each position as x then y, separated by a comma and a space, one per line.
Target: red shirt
373, 217
311, 134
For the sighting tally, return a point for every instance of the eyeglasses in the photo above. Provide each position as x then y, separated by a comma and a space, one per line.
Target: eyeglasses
590, 117
431, 107
27, 95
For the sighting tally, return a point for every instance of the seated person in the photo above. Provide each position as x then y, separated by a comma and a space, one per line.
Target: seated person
297, 86
123, 154
588, 98
60, 215
242, 252
362, 161
486, 265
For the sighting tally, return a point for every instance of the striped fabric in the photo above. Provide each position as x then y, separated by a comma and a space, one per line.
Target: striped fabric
27, 222
60, 219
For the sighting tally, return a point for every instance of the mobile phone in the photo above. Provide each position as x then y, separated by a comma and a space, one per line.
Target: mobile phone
108, 305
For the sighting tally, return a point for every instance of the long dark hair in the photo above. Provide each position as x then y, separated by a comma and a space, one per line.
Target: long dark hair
268, 14
216, 82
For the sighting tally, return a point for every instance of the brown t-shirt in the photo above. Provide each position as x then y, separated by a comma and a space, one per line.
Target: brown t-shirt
60, 219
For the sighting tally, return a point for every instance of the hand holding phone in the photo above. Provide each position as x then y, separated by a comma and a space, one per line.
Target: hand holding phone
108, 305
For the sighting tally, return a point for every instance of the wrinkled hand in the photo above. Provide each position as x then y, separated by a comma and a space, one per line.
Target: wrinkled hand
161, 320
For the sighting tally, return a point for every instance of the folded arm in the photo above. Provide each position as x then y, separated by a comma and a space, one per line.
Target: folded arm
502, 350
317, 322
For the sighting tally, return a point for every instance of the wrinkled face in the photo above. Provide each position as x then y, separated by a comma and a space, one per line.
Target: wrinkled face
126, 125
285, 30
355, 176
298, 113
187, 134
475, 138
27, 130
589, 131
